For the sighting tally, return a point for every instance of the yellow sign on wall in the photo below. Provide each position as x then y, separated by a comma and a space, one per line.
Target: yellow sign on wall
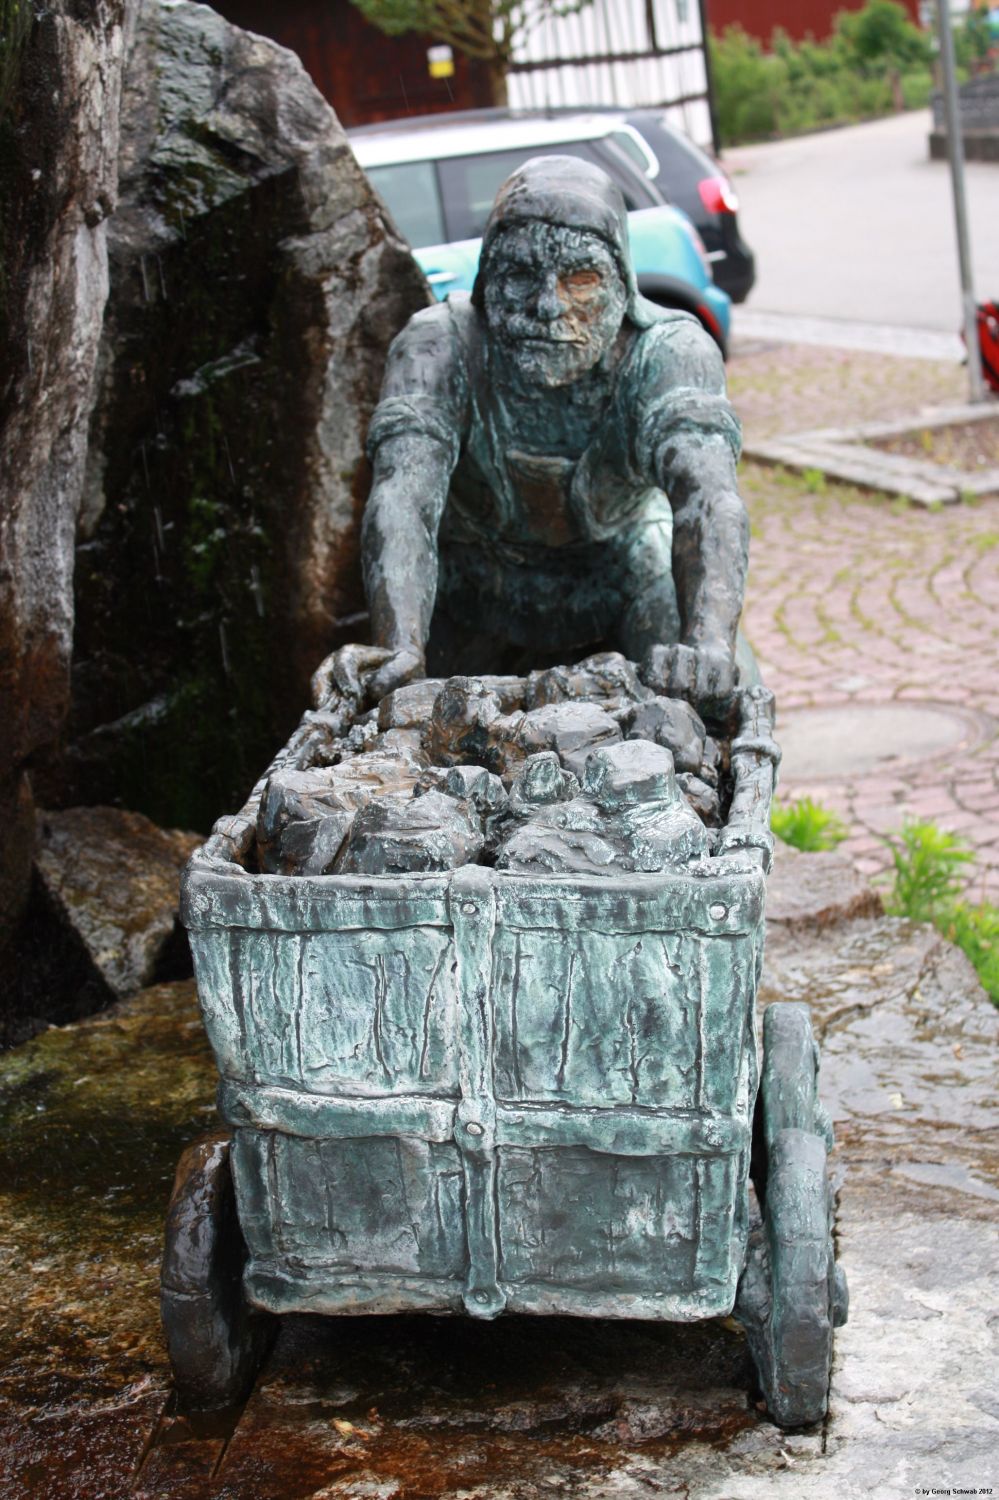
440, 61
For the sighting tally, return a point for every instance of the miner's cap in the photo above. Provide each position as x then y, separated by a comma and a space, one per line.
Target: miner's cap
569, 191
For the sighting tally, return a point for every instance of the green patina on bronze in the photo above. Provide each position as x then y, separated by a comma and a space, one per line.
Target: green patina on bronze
479, 1089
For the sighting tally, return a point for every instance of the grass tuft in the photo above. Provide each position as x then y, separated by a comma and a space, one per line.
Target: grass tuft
807, 825
928, 887
929, 864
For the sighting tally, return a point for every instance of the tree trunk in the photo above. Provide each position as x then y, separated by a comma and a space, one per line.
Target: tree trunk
499, 93
897, 97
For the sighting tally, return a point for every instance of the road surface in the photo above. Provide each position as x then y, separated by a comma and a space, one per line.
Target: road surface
858, 224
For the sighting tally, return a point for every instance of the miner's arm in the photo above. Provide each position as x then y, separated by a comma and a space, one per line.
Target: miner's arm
692, 447
414, 441
399, 538
710, 558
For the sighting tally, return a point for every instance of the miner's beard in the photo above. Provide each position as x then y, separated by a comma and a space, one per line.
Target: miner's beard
552, 362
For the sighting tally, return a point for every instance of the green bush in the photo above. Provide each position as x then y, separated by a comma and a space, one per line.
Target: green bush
748, 83
928, 887
876, 60
807, 825
917, 90
975, 930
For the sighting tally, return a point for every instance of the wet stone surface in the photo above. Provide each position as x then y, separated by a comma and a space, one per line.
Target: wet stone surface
94, 1117
443, 1409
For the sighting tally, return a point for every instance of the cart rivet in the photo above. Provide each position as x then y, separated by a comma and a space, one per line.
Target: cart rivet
469, 908
718, 913
481, 1296
474, 1128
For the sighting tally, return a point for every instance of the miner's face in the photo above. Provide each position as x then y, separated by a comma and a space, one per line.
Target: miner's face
554, 299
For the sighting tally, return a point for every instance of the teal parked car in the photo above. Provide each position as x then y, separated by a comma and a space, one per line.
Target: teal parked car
439, 178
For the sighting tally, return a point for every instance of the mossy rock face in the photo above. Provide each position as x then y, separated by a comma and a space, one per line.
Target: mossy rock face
255, 287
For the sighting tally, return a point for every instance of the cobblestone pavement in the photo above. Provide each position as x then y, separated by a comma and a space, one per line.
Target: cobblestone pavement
854, 599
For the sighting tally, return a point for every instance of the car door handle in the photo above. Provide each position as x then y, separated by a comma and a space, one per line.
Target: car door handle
438, 278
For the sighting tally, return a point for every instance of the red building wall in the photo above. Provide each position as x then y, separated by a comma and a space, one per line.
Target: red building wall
364, 74
796, 17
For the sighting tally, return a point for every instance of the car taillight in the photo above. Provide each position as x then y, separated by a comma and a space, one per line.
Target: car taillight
718, 195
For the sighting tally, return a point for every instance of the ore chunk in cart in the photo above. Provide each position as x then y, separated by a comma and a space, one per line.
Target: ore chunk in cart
396, 836
630, 816
607, 679
670, 722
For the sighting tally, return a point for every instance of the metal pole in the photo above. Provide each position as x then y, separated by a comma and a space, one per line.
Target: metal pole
709, 77
955, 151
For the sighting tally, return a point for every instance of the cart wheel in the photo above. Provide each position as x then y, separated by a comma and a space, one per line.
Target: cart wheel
792, 1293
215, 1341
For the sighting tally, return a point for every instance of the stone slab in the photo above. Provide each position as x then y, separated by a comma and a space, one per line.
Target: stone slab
843, 453
845, 333
953, 414
855, 465
816, 890
92, 1120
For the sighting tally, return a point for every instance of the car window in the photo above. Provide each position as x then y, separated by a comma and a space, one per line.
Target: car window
470, 183
636, 189
681, 164
625, 141
410, 190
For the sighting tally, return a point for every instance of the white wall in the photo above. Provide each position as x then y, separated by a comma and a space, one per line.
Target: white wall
617, 28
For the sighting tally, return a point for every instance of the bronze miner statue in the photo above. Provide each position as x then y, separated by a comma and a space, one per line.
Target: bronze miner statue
478, 959
554, 460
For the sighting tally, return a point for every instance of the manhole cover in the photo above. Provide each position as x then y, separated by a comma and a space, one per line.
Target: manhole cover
829, 744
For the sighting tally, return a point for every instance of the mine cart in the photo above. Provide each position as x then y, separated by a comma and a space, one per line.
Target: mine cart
478, 1091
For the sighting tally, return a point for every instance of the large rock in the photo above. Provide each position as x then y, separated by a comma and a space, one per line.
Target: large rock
61, 71
255, 287
115, 879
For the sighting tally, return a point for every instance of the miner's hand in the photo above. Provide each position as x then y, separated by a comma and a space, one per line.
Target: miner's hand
362, 675
402, 667
704, 675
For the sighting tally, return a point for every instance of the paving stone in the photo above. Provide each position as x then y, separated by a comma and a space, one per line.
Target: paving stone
906, 638
816, 890
861, 466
